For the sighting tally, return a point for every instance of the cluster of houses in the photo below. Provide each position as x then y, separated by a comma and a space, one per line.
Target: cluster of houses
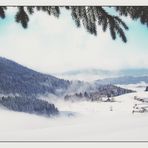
141, 108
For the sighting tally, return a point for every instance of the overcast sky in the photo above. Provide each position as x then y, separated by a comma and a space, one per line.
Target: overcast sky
55, 45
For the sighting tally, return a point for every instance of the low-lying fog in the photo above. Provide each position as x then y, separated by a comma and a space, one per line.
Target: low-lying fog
80, 121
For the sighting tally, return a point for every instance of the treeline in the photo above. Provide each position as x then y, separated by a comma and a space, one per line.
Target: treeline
29, 105
99, 92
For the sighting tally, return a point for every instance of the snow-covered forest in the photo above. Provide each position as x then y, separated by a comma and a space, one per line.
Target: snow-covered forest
73, 73
79, 111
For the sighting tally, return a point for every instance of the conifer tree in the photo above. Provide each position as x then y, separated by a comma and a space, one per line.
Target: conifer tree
89, 17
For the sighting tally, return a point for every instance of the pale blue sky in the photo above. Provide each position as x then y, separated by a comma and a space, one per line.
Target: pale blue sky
54, 45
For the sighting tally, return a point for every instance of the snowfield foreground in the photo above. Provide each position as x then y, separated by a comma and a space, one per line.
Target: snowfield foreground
80, 121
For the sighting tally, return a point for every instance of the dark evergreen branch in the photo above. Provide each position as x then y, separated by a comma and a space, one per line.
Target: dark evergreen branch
75, 16
89, 17
121, 22
30, 9
114, 24
2, 12
22, 17
135, 12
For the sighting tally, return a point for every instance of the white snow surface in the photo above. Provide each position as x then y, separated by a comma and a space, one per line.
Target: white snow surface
92, 121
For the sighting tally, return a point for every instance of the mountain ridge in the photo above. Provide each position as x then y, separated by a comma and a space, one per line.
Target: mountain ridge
20, 88
95, 74
123, 80
19, 79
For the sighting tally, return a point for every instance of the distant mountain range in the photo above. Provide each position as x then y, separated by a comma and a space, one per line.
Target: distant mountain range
94, 74
123, 80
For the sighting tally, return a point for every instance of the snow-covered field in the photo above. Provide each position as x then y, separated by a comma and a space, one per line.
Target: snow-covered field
92, 121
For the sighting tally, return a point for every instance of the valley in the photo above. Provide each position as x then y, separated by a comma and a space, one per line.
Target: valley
93, 121
93, 111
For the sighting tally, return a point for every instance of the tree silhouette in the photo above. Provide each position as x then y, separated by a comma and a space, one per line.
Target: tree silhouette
89, 17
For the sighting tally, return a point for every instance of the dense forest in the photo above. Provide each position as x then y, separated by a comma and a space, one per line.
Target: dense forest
17, 79
29, 105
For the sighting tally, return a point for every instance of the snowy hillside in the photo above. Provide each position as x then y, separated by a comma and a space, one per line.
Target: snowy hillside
20, 87
16, 79
91, 121
79, 120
